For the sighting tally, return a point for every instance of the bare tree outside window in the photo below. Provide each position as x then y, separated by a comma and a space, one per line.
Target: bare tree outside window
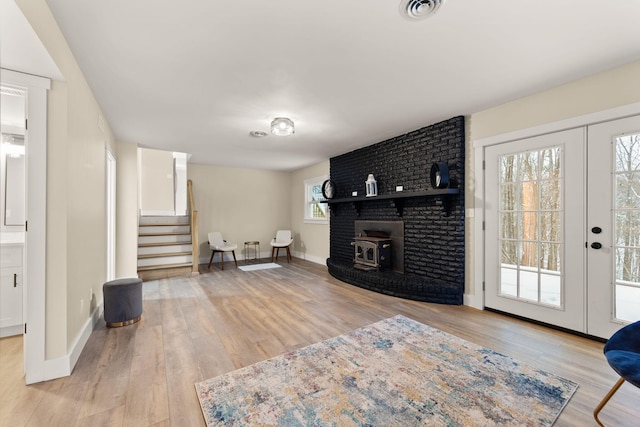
531, 225
627, 223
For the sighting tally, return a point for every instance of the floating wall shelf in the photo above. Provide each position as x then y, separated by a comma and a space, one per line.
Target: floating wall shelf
398, 199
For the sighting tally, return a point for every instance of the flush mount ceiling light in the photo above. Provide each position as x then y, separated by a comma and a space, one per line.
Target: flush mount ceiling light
282, 126
415, 10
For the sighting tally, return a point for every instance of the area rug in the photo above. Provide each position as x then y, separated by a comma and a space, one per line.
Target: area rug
258, 266
396, 372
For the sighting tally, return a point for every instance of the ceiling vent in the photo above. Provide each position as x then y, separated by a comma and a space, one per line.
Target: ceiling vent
415, 10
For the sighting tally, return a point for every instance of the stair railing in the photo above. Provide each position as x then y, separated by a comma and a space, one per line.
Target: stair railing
193, 218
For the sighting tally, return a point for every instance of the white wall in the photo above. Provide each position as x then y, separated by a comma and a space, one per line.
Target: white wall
127, 210
311, 240
76, 193
243, 204
156, 182
613, 88
251, 204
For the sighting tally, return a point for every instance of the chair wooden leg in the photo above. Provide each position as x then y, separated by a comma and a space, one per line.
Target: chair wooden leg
222, 260
234, 258
211, 259
288, 255
606, 399
273, 250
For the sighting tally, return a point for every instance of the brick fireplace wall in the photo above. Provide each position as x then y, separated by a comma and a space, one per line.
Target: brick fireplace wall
434, 239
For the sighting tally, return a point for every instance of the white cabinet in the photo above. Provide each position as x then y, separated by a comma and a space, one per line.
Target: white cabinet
11, 281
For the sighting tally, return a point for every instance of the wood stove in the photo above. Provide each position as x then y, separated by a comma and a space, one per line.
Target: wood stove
372, 253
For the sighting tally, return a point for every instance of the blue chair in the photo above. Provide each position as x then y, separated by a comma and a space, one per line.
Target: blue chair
623, 354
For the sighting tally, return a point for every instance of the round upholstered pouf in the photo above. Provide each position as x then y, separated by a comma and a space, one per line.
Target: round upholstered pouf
122, 302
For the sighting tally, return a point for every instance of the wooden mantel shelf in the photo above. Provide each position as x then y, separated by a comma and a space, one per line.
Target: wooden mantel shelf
398, 198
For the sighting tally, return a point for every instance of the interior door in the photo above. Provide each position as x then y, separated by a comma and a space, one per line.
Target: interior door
534, 228
613, 232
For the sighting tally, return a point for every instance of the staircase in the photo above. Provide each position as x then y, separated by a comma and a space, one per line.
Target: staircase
165, 248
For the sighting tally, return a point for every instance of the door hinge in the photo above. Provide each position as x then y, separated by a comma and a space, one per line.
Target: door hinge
25, 328
483, 283
15, 280
26, 226
484, 164
482, 225
26, 124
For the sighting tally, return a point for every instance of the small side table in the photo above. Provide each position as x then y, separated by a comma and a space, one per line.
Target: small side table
256, 250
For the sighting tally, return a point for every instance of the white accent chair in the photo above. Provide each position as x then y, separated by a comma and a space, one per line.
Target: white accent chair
282, 240
218, 244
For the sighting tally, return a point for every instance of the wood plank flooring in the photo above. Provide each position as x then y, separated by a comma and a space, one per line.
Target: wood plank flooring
200, 327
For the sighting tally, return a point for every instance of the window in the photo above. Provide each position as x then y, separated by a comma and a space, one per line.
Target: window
531, 236
315, 212
627, 227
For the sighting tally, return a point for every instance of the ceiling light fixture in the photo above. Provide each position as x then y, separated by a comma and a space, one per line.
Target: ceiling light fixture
282, 126
419, 9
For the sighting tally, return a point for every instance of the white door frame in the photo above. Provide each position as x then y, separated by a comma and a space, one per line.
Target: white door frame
35, 236
477, 298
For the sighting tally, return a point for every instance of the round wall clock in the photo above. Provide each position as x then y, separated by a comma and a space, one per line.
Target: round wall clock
328, 189
439, 175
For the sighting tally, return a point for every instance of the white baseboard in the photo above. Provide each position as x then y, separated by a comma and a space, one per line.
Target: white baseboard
63, 366
308, 257
263, 255
157, 213
475, 301
9, 331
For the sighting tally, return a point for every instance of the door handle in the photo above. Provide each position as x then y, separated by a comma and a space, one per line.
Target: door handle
596, 245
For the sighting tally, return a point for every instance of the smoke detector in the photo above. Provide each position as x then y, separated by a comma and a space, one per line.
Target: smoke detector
415, 10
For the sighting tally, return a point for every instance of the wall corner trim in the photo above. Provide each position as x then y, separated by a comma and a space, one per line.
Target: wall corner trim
63, 366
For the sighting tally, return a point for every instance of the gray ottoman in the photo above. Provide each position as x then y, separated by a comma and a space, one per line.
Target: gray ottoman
122, 302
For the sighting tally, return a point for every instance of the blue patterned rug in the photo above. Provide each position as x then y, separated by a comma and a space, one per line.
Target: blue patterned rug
396, 372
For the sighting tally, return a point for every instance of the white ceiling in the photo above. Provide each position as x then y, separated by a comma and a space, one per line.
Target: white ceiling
20, 48
198, 75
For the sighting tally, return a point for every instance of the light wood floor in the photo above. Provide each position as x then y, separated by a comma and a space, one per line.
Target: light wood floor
197, 328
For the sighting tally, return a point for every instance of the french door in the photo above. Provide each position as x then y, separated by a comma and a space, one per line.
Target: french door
613, 230
562, 227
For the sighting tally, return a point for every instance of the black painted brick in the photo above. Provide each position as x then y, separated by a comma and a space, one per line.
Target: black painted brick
434, 241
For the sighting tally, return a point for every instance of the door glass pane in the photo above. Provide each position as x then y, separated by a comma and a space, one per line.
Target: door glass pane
508, 168
508, 196
509, 255
550, 194
627, 228
628, 190
509, 225
550, 289
627, 303
531, 233
530, 225
509, 285
550, 226
529, 284
550, 163
550, 255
